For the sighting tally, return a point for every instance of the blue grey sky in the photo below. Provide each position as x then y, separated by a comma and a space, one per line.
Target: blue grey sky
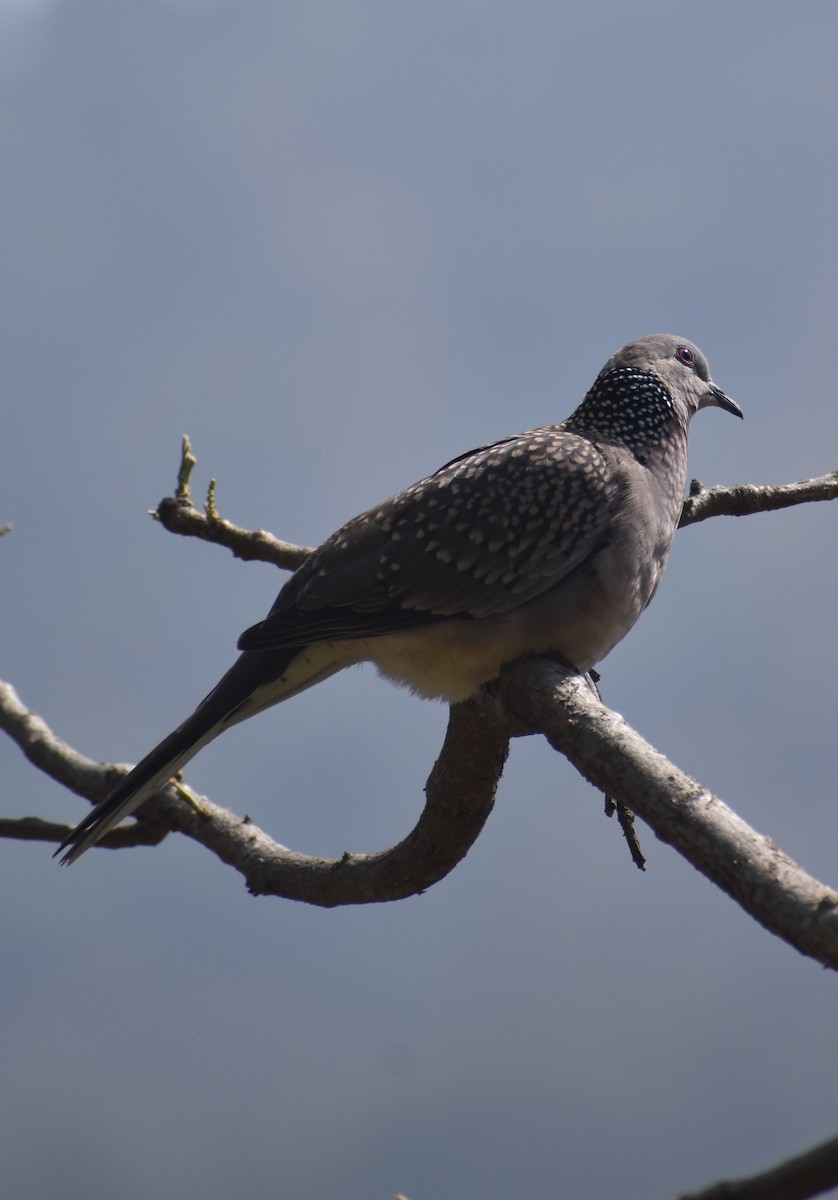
338, 243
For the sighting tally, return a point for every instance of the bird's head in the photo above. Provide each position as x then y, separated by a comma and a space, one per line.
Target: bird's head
680, 365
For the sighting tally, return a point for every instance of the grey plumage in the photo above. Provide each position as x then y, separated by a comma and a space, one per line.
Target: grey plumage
551, 541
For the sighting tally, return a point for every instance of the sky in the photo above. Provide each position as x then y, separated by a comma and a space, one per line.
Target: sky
338, 243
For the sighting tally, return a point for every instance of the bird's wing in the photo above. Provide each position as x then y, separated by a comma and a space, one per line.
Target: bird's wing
486, 533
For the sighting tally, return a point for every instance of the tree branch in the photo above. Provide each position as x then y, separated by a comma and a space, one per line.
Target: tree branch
533, 696
752, 870
808, 1174
250, 545
32, 829
460, 795
178, 514
58, 760
50, 754
461, 788
744, 499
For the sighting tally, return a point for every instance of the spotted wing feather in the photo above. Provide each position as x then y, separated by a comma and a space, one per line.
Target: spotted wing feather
486, 533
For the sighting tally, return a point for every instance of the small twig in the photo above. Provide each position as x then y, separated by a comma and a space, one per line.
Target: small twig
210, 507
178, 514
33, 829
187, 463
250, 545
625, 818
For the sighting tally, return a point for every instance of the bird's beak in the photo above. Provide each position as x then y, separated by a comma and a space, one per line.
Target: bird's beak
714, 397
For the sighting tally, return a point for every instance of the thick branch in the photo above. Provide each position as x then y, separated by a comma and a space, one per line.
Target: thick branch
460, 795
539, 696
744, 499
461, 788
749, 867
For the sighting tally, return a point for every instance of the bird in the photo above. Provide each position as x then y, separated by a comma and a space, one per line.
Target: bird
551, 542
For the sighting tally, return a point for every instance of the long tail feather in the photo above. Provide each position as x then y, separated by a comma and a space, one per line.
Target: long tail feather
254, 682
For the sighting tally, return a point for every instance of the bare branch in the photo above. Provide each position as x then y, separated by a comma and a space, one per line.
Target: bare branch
539, 696
746, 498
179, 515
809, 1174
50, 754
461, 789
535, 696
749, 867
32, 829
460, 795
92, 780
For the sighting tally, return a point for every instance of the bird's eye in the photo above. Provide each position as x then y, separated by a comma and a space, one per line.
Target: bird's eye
685, 356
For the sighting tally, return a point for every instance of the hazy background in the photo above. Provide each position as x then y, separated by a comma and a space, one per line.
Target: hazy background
337, 244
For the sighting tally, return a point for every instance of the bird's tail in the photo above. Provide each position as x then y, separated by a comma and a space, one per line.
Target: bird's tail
256, 681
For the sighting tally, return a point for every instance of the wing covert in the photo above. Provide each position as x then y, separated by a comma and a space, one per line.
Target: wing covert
486, 533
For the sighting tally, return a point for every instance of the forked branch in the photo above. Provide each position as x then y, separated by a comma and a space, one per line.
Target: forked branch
536, 696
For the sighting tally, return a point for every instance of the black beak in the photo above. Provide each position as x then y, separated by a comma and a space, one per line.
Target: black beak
717, 398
